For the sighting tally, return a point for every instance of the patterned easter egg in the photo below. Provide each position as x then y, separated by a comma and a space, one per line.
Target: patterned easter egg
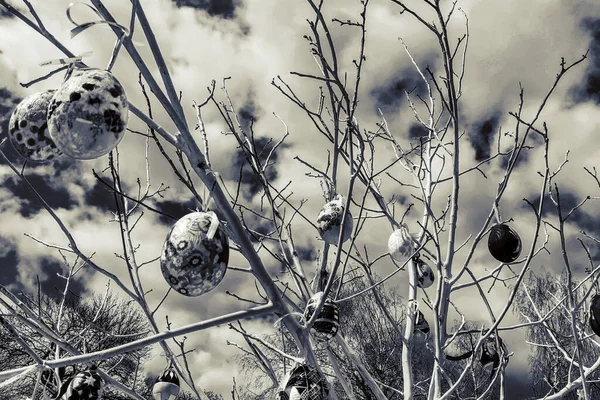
28, 128
328, 322
195, 254
421, 323
401, 244
329, 221
305, 383
88, 115
425, 275
86, 385
166, 386
504, 243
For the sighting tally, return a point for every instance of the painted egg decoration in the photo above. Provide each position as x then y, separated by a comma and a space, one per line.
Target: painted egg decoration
595, 314
504, 243
195, 254
328, 322
28, 128
166, 386
305, 383
401, 244
425, 275
88, 114
329, 221
86, 385
421, 323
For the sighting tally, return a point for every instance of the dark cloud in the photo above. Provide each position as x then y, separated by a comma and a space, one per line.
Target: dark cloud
101, 197
589, 88
417, 131
175, 209
215, 8
481, 136
390, 96
52, 284
306, 253
4, 13
56, 196
8, 264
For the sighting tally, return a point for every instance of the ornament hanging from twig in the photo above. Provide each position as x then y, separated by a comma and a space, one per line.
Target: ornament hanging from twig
304, 383
88, 114
28, 128
327, 323
421, 323
490, 352
401, 244
504, 243
425, 275
329, 221
595, 314
86, 385
166, 386
195, 254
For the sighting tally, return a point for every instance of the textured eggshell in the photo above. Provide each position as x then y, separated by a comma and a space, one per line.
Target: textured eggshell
329, 221
401, 244
327, 323
306, 383
87, 116
504, 243
192, 263
165, 391
28, 128
87, 385
425, 275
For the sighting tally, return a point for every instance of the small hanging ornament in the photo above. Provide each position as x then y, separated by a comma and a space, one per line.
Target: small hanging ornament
425, 275
490, 353
88, 114
595, 314
195, 254
421, 323
328, 322
329, 221
304, 383
504, 243
86, 385
401, 244
166, 386
28, 128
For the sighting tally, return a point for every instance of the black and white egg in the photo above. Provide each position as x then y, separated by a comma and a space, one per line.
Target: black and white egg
86, 385
327, 322
305, 383
421, 323
88, 114
425, 275
329, 221
401, 244
28, 128
166, 386
195, 254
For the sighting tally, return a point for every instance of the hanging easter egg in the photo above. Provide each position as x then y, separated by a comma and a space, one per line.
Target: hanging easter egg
328, 322
88, 114
195, 254
595, 314
28, 128
425, 275
421, 323
401, 244
504, 243
305, 383
329, 221
166, 386
490, 353
86, 385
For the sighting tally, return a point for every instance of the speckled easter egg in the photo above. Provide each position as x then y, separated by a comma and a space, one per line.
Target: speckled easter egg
401, 244
192, 261
88, 115
28, 128
425, 275
329, 221
86, 385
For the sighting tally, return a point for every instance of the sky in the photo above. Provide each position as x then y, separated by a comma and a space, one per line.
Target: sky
511, 42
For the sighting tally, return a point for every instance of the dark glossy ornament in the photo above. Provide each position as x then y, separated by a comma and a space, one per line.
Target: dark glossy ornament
425, 275
166, 386
86, 385
490, 354
421, 324
304, 383
504, 243
327, 323
595, 314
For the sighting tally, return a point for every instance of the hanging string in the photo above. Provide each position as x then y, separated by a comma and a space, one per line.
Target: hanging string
82, 27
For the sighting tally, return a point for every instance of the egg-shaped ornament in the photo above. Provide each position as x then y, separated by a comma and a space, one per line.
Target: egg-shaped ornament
305, 383
88, 114
504, 243
327, 323
86, 385
329, 221
595, 314
421, 323
28, 128
401, 244
425, 275
490, 353
166, 386
195, 254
